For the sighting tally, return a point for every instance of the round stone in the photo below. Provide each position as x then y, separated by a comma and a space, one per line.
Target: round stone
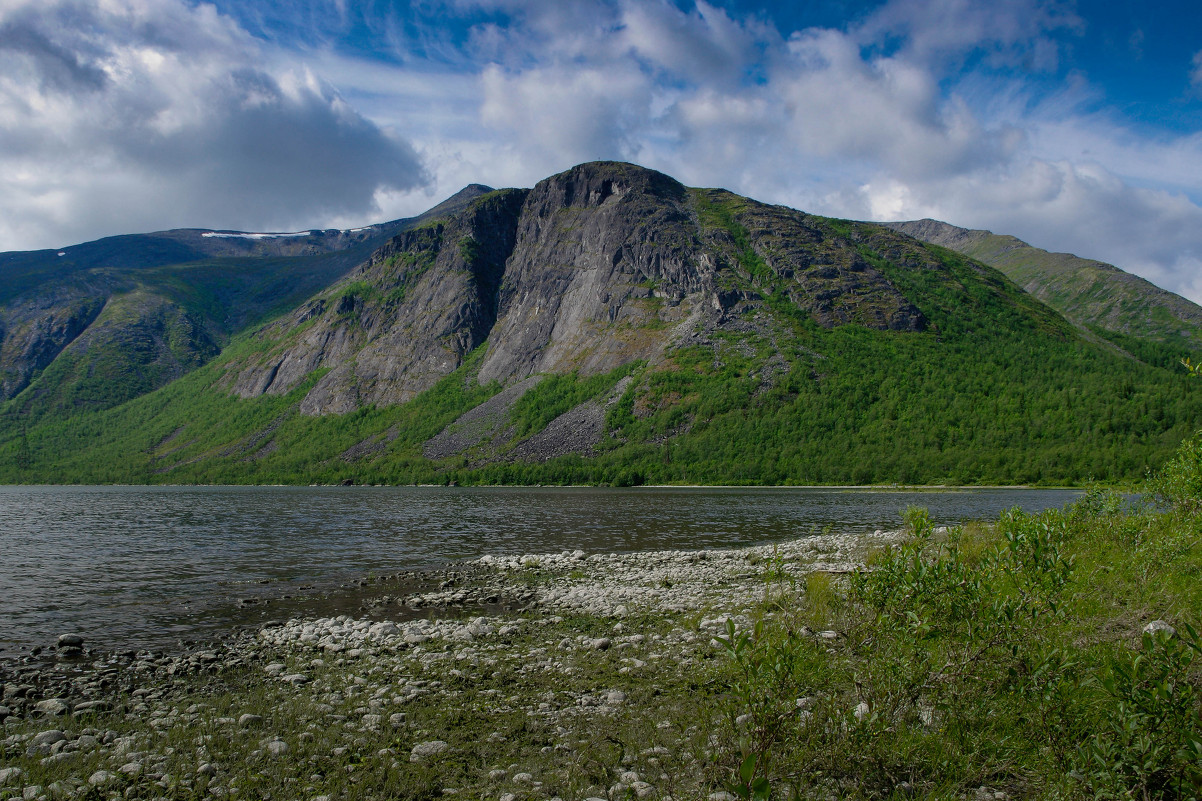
52, 707
427, 749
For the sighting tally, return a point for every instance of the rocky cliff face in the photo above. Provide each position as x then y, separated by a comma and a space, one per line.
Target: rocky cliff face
615, 263
35, 330
599, 266
393, 327
605, 265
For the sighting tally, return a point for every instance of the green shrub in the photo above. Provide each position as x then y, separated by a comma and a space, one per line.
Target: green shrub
1150, 745
1179, 483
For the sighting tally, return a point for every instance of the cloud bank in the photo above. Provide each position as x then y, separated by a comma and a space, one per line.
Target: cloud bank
144, 114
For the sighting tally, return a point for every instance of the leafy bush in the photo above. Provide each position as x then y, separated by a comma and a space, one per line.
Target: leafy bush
1150, 745
1179, 483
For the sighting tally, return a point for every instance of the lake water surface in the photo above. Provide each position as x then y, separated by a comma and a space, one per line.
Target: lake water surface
148, 566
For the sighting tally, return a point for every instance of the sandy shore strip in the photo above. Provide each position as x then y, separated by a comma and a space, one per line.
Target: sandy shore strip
600, 679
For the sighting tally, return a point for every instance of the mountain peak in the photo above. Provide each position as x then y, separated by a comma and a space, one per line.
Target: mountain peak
594, 182
456, 202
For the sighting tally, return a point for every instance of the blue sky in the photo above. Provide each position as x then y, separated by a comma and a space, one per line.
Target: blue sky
1076, 126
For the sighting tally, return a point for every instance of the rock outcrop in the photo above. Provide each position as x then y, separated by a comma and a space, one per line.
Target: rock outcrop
403, 320
594, 268
35, 330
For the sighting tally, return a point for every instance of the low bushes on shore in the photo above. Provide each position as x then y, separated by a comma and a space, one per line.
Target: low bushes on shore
1049, 656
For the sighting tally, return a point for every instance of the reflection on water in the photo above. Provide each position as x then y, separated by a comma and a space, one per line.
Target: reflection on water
140, 566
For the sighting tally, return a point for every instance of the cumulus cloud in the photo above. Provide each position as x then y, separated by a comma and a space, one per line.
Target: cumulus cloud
144, 114
562, 118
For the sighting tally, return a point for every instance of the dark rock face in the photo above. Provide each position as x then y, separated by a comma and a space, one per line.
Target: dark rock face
605, 253
596, 267
34, 331
615, 263
822, 273
400, 322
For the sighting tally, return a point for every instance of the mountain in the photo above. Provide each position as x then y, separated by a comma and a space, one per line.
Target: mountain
611, 325
585, 273
90, 326
1124, 308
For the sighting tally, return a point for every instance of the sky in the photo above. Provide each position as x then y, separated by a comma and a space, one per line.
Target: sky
1076, 126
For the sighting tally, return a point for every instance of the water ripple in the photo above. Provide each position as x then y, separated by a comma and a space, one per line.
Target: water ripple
132, 566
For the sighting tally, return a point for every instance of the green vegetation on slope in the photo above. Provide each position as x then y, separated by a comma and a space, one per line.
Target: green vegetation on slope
557, 394
1094, 295
998, 390
194, 431
163, 321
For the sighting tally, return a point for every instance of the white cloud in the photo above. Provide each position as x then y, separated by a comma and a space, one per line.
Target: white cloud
706, 46
1010, 32
559, 119
143, 114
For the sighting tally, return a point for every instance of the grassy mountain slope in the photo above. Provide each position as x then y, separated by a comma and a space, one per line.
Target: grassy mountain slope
700, 338
1152, 323
94, 325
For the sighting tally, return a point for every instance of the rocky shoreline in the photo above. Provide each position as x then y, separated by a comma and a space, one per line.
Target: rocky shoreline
591, 677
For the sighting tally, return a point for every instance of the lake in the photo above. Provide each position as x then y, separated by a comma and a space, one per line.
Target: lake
146, 567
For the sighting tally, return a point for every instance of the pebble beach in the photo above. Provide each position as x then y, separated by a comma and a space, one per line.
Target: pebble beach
590, 676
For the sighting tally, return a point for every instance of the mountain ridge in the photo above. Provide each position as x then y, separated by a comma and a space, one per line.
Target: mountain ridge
1093, 294
610, 325
588, 275
163, 303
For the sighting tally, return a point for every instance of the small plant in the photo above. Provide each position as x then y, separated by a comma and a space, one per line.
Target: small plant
771, 666
820, 598
777, 578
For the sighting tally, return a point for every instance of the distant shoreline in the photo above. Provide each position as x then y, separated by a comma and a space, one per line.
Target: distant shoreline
849, 487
